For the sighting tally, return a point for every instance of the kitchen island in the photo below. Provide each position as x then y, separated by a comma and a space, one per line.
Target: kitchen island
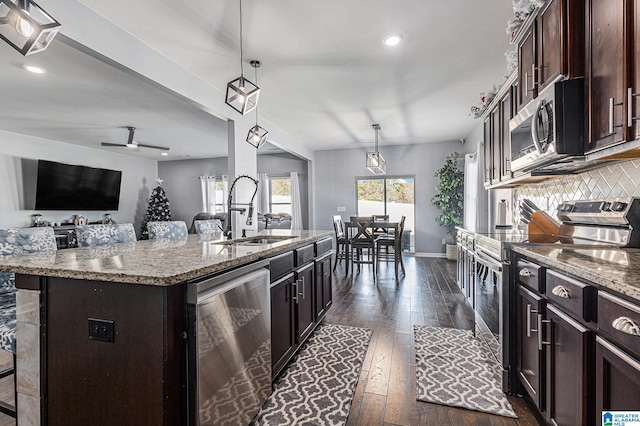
102, 333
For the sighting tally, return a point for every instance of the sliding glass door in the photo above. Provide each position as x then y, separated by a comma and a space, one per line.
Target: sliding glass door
390, 195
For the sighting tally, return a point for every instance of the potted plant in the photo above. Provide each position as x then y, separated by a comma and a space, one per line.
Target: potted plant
450, 200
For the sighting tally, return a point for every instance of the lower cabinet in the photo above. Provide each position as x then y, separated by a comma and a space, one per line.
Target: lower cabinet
530, 362
569, 357
300, 298
305, 316
283, 331
617, 378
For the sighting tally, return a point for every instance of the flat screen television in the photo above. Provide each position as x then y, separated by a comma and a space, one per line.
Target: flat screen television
69, 187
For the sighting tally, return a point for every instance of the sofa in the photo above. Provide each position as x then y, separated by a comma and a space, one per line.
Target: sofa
274, 221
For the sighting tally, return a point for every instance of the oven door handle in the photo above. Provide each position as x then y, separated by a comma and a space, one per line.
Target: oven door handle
490, 263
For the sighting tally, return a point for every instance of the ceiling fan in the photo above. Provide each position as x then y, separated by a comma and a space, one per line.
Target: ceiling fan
133, 144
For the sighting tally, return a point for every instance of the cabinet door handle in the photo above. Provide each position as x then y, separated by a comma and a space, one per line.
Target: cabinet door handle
529, 312
561, 291
630, 117
540, 341
626, 325
295, 291
526, 83
611, 105
524, 272
304, 295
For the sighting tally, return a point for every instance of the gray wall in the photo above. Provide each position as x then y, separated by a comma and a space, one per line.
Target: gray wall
182, 183
17, 177
336, 170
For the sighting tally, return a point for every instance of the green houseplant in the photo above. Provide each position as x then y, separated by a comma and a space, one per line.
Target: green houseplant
450, 199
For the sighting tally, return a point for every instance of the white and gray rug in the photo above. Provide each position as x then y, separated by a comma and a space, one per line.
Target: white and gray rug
452, 369
318, 386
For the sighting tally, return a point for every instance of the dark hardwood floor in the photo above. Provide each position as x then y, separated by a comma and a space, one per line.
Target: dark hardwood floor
386, 392
428, 294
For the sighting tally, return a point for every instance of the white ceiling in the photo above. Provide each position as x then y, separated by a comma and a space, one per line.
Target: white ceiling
326, 75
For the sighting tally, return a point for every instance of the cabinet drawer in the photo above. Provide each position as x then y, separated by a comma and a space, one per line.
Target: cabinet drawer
304, 254
281, 265
575, 297
531, 275
323, 246
620, 320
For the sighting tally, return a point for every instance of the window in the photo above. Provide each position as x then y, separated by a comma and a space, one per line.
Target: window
220, 196
392, 196
280, 195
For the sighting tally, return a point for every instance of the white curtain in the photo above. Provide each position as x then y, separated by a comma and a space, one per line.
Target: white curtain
262, 197
225, 192
208, 188
296, 210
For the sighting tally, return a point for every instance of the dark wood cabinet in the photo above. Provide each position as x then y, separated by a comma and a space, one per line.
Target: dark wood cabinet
617, 378
560, 41
283, 333
568, 370
526, 67
305, 317
633, 92
606, 72
530, 362
487, 151
323, 284
506, 114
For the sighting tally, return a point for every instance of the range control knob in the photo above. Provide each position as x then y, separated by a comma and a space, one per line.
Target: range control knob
605, 206
618, 206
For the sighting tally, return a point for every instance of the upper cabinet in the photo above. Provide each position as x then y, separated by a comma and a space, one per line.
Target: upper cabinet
608, 62
550, 45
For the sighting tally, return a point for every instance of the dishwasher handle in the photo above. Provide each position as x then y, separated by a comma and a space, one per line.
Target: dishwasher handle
202, 289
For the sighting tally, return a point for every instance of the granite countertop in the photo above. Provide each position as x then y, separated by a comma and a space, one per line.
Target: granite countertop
159, 262
612, 268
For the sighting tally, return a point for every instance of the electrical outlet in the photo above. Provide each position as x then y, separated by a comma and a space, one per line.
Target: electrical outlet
444, 241
342, 209
101, 330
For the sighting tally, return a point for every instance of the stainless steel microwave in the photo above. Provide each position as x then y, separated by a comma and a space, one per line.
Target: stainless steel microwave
550, 127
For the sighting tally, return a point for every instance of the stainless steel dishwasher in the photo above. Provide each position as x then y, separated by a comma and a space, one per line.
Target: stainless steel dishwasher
229, 346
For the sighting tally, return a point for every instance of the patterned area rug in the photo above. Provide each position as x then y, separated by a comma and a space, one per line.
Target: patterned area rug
451, 369
317, 388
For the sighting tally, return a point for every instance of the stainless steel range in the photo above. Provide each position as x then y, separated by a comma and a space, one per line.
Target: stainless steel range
591, 223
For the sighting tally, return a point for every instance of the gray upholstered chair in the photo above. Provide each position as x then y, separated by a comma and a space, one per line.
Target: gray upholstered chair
212, 226
17, 241
167, 229
97, 235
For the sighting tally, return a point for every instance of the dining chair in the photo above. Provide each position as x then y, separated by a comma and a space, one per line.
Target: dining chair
167, 229
16, 241
362, 243
391, 241
341, 242
97, 235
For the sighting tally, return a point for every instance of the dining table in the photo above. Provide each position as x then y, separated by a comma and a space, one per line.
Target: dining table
374, 227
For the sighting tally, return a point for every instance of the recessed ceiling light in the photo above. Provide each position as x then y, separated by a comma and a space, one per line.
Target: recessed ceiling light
34, 69
164, 153
392, 39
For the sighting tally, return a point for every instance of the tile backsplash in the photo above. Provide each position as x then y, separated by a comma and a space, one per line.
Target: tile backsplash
617, 180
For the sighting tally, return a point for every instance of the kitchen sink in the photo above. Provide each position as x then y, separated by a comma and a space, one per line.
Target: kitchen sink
258, 240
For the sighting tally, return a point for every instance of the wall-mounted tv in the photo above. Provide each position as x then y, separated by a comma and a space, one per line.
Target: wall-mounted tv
69, 187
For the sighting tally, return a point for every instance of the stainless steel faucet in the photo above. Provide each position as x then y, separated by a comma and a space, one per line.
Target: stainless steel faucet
230, 205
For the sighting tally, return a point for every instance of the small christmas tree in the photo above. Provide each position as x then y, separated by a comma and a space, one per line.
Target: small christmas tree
158, 209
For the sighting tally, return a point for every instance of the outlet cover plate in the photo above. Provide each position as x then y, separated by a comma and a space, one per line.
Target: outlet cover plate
102, 330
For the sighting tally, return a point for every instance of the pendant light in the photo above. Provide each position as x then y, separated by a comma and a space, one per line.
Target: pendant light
26, 26
242, 95
375, 160
257, 135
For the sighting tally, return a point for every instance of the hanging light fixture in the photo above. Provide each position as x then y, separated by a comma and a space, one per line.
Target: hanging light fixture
242, 95
26, 26
375, 160
257, 135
